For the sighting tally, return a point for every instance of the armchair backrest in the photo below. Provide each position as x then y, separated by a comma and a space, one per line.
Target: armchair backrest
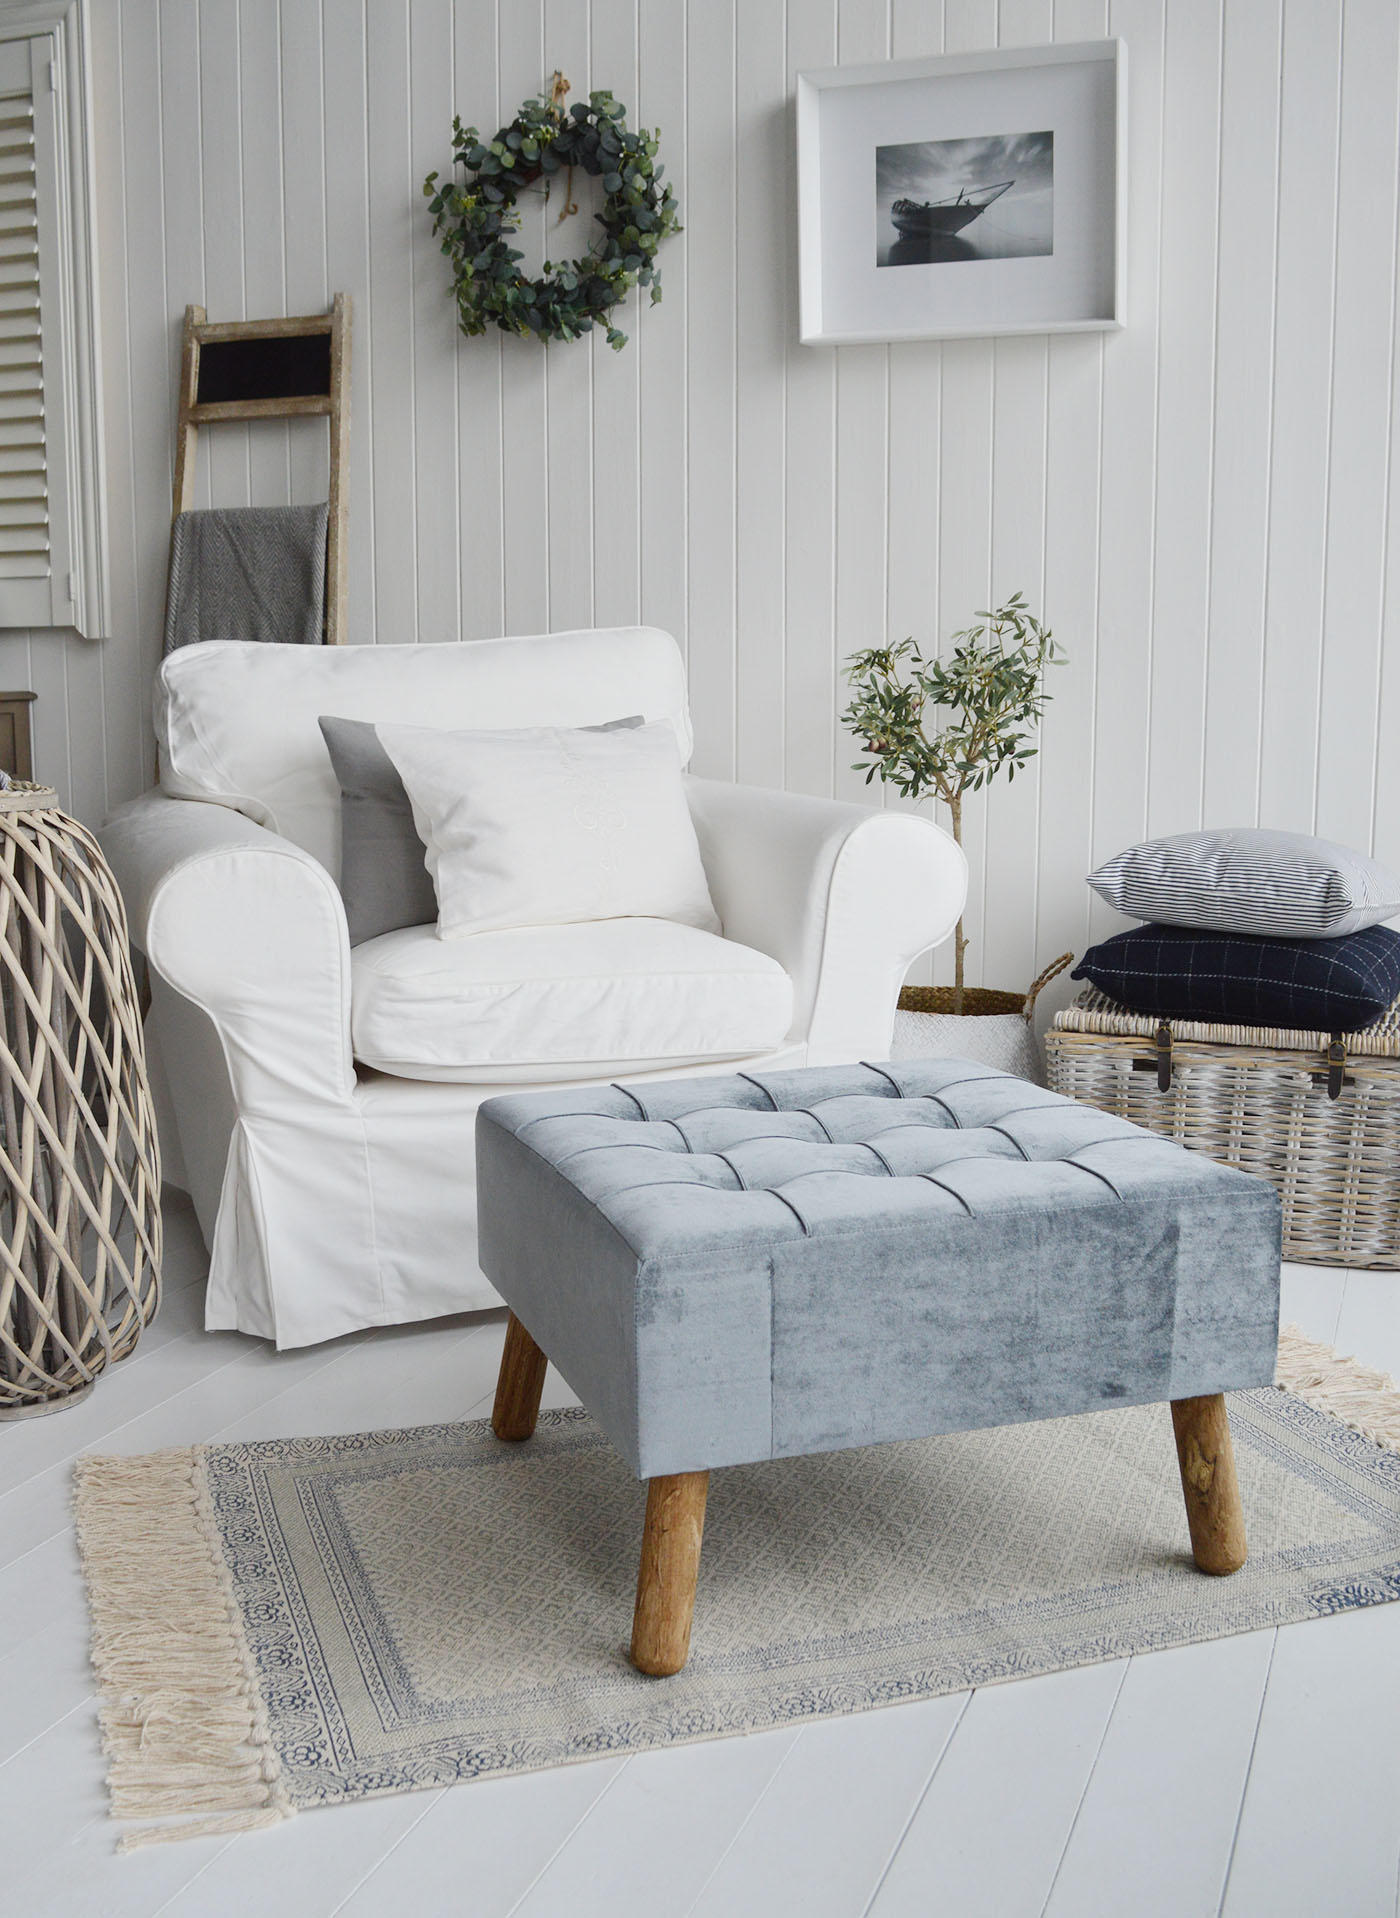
236, 722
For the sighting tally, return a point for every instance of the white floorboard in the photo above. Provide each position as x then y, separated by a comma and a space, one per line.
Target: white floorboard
834, 1813
1157, 1822
991, 1828
1319, 1829
496, 1841
655, 1835
1248, 1776
1368, 1324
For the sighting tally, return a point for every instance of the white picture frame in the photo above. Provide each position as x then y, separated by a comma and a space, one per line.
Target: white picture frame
887, 254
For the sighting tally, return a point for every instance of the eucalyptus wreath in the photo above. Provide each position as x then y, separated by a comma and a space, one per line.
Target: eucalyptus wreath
477, 215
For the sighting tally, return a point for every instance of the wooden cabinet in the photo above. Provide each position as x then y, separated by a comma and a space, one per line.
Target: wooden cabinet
16, 751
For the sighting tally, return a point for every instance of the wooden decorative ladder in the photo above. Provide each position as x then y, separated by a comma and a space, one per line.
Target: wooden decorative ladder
295, 368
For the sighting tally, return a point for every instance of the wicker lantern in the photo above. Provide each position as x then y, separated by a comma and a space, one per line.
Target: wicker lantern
79, 1160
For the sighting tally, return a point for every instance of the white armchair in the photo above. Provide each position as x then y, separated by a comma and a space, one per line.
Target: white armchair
333, 1195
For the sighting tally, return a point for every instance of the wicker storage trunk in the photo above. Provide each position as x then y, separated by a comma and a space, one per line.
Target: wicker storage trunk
1318, 1119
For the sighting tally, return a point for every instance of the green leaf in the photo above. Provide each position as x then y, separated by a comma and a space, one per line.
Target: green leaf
570, 297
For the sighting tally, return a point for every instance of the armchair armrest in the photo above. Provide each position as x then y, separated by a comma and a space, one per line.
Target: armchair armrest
252, 930
843, 897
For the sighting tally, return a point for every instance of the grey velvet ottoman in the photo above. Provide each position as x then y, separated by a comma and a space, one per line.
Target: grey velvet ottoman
758, 1266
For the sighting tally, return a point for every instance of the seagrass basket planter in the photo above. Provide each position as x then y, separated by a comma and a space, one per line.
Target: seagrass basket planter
80, 1233
993, 1026
1315, 1113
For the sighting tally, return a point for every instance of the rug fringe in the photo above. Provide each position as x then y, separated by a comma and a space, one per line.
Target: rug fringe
184, 1728
1357, 1395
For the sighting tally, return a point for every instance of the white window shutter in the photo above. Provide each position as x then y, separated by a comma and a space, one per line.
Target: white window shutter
51, 545
24, 517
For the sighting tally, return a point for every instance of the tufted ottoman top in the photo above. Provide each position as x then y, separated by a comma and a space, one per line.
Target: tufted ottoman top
761, 1265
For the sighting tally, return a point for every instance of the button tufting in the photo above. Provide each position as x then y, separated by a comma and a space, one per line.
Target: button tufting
840, 1147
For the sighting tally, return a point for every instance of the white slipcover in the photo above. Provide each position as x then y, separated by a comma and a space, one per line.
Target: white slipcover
335, 1198
237, 723
562, 1002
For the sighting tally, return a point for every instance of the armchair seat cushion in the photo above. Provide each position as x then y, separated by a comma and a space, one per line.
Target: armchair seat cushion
558, 1002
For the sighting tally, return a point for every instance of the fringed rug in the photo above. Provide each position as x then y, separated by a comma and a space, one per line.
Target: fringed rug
309, 1621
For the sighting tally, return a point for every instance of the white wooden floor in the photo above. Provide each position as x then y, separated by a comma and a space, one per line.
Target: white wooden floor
1256, 1776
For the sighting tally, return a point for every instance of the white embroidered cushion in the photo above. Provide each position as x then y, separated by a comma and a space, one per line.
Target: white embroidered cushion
552, 826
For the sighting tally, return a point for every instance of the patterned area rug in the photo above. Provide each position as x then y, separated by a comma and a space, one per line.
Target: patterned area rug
307, 1621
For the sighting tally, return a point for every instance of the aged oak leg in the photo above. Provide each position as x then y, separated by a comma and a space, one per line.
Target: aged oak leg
519, 1385
666, 1580
1213, 1509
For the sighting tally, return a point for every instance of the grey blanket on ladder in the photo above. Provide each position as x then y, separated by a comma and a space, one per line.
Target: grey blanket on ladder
247, 572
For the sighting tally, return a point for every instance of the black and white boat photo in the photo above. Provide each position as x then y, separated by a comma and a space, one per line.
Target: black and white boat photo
941, 201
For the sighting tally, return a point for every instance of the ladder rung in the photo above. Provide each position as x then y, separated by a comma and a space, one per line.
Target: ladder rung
299, 326
305, 406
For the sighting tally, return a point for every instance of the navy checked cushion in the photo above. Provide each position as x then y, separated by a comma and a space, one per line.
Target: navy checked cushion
1312, 985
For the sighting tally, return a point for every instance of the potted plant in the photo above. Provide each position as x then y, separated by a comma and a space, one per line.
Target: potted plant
947, 727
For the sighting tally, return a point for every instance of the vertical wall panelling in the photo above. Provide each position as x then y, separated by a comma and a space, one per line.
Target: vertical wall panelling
525, 65
476, 365
1385, 822
147, 394
204, 254
862, 455
965, 507
762, 143
348, 270
1185, 391
1020, 421
1385, 832
1020, 368
1301, 447
1073, 511
1202, 504
391, 466
1362, 396
1244, 367
264, 237
915, 436
569, 368
810, 439
967, 423
123, 697
1128, 466
713, 312
303, 131
662, 336
617, 504
437, 508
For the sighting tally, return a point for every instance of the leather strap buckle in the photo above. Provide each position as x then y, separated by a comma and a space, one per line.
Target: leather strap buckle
1161, 1060
1335, 1074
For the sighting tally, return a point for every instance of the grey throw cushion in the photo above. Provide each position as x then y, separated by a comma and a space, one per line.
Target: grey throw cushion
384, 880
1283, 885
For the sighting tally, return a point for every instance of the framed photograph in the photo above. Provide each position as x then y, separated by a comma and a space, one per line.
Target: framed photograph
963, 194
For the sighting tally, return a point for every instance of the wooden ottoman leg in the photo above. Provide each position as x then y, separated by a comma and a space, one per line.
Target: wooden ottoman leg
519, 1385
1213, 1509
666, 1580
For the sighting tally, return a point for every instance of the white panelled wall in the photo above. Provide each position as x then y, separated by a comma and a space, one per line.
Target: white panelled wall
1201, 504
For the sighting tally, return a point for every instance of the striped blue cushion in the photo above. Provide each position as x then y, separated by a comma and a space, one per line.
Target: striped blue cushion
1283, 885
1310, 985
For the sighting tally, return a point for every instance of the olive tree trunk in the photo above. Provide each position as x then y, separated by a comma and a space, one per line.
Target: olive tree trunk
959, 941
